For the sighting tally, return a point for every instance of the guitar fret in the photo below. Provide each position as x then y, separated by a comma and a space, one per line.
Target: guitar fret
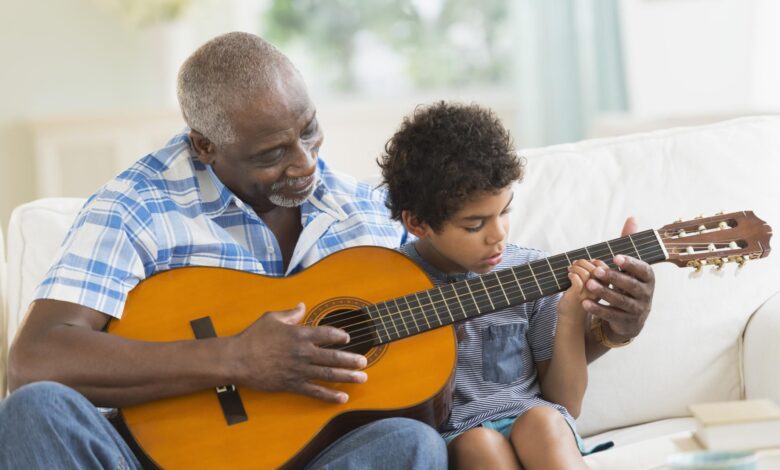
492, 307
476, 305
519, 286
531, 269
410, 309
392, 320
444, 301
425, 315
401, 316
588, 253
553, 273
634, 245
495, 273
384, 327
459, 303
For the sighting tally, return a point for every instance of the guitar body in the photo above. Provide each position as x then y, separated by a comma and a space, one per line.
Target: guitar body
410, 377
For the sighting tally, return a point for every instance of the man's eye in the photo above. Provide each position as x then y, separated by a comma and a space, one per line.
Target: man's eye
269, 158
310, 130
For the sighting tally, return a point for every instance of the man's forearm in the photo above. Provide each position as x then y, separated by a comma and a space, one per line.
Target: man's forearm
115, 372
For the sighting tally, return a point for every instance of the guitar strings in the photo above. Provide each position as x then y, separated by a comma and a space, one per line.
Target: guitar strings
419, 310
478, 295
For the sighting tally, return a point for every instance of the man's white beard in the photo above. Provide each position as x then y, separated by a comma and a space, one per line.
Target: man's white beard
283, 201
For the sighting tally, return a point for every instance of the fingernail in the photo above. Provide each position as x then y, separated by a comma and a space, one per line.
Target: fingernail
620, 259
343, 397
362, 362
599, 272
360, 376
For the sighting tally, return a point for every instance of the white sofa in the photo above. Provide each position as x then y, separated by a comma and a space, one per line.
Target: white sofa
710, 336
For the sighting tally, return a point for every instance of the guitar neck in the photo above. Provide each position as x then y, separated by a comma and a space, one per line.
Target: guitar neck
405, 316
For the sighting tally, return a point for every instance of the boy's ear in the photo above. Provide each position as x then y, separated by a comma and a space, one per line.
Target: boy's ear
203, 147
414, 226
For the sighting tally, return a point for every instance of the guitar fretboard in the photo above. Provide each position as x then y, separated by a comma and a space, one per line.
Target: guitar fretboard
425, 310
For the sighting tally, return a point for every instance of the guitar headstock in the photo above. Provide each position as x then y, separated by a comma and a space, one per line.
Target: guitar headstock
716, 240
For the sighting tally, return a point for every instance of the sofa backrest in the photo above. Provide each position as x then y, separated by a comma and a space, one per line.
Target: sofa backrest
35, 232
578, 194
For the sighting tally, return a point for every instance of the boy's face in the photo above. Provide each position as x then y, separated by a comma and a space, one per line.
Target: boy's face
473, 239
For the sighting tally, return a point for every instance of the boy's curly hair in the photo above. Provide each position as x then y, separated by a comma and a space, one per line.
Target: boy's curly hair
442, 156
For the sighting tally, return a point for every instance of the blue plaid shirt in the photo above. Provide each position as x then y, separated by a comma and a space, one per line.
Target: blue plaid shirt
169, 210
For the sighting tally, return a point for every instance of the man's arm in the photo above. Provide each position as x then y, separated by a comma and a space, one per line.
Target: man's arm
629, 293
62, 342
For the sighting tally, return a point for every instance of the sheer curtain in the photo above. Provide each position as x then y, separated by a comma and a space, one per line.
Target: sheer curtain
569, 67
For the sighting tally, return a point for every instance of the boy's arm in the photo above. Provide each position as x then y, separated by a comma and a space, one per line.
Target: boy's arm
564, 377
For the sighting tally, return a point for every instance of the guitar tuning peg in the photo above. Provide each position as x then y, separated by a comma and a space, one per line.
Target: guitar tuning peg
700, 216
695, 264
740, 260
717, 262
678, 221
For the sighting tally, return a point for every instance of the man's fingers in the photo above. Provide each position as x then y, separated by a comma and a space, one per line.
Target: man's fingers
336, 358
636, 268
325, 335
607, 313
334, 374
322, 393
613, 296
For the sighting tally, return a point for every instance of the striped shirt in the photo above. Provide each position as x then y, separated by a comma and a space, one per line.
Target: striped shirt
169, 210
495, 376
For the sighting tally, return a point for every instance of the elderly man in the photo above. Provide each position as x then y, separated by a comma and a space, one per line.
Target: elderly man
243, 189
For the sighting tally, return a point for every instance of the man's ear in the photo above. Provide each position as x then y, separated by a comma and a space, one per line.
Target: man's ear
203, 147
414, 226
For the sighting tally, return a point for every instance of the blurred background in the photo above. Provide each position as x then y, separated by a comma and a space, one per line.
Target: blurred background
88, 86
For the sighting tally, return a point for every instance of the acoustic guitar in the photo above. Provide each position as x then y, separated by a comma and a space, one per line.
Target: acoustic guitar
394, 318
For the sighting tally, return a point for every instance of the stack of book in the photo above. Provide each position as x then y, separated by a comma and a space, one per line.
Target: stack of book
738, 425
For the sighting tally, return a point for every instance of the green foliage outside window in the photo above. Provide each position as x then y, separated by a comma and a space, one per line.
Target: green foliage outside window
442, 43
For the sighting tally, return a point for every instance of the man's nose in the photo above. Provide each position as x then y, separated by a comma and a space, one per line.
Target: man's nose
303, 161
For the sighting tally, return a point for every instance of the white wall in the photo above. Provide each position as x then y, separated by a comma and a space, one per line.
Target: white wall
686, 57
61, 58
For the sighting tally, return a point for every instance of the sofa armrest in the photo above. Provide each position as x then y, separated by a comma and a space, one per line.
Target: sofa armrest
761, 352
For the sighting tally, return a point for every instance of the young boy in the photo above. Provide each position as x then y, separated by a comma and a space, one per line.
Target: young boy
521, 372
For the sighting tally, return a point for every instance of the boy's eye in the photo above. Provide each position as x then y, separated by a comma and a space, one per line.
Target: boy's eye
474, 229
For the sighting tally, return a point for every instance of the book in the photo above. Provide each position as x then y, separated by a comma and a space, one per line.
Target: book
737, 425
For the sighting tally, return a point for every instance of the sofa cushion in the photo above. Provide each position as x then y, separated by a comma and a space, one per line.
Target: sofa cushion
579, 194
35, 233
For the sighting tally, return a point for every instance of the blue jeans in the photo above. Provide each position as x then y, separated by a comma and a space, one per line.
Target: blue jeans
47, 425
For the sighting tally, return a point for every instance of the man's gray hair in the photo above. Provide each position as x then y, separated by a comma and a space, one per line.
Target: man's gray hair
220, 76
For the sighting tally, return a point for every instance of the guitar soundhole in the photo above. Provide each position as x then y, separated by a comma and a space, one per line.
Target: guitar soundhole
358, 324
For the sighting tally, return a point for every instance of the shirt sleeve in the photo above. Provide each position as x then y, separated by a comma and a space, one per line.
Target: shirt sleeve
108, 250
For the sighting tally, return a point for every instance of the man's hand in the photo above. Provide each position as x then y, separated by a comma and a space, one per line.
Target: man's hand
629, 293
276, 354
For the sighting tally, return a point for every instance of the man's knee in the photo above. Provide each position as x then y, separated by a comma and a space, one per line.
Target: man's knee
41, 400
415, 436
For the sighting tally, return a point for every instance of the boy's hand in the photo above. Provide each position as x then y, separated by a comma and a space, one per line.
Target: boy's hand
570, 305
